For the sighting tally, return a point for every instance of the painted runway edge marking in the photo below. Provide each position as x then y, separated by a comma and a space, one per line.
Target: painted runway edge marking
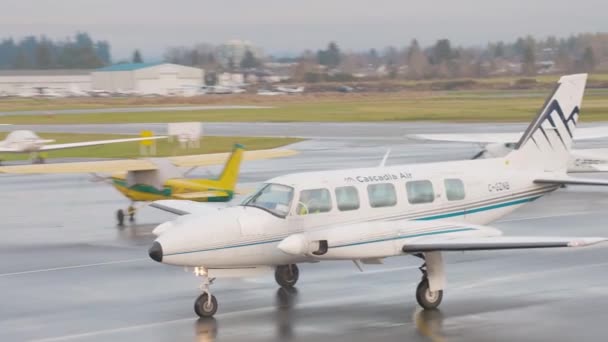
72, 267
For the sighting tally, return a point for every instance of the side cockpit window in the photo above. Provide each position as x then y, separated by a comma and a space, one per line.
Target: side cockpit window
314, 201
274, 198
347, 198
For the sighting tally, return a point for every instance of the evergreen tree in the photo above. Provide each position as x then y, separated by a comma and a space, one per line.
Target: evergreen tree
137, 58
588, 60
529, 60
330, 57
249, 61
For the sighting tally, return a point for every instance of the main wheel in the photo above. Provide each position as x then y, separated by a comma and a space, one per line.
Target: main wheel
287, 275
205, 308
131, 212
120, 217
426, 298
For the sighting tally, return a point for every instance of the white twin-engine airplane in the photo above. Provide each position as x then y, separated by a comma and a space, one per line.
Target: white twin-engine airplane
366, 215
25, 141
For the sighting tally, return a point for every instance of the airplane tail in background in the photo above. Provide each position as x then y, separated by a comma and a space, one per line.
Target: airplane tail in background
547, 142
230, 174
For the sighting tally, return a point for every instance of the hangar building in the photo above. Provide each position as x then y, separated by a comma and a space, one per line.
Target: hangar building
147, 78
17, 81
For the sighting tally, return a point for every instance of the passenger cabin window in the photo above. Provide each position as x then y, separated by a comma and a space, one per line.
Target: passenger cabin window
420, 192
381, 195
314, 201
454, 189
347, 198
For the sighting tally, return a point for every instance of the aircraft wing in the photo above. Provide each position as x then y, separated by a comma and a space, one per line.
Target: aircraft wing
496, 243
566, 180
9, 150
94, 143
220, 158
185, 207
201, 194
585, 133
381, 239
109, 166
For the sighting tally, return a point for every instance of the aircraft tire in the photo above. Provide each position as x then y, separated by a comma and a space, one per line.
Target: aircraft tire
120, 217
428, 300
204, 308
287, 275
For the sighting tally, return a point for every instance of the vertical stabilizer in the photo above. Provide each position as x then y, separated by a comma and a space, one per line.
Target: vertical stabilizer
547, 142
230, 174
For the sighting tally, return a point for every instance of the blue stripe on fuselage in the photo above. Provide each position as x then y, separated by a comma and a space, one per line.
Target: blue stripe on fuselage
428, 218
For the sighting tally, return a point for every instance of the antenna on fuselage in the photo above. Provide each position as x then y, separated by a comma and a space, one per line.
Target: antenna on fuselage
383, 162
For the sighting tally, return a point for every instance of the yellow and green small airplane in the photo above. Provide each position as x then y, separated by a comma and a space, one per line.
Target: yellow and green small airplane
152, 179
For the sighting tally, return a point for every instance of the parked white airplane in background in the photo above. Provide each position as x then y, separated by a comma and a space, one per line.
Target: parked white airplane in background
24, 141
366, 215
500, 144
290, 90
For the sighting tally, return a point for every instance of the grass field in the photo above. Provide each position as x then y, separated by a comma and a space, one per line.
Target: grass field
131, 149
458, 106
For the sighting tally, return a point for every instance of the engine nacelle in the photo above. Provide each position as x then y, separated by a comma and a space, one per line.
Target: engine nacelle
300, 245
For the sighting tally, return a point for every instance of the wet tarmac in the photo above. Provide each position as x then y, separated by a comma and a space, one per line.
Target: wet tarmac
67, 273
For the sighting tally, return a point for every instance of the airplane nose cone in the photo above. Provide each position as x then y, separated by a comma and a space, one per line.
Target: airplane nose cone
156, 252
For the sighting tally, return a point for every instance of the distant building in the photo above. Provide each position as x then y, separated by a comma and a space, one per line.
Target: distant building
147, 78
18, 81
226, 79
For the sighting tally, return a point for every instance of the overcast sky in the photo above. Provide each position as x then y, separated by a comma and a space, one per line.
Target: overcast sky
289, 25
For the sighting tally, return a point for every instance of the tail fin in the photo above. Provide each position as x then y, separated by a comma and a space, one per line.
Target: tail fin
546, 143
230, 173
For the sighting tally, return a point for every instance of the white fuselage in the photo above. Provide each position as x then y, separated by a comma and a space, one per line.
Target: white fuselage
24, 141
475, 192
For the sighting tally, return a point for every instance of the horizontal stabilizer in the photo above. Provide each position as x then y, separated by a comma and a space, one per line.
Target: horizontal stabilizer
586, 133
572, 181
496, 243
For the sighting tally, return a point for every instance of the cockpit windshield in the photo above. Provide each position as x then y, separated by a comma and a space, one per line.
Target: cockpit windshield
274, 198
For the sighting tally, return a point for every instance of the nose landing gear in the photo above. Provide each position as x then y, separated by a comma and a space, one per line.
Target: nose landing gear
206, 304
287, 275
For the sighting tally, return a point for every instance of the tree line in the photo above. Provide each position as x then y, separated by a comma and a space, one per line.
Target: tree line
524, 56
77, 52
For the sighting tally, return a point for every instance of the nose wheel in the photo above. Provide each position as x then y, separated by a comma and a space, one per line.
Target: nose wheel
287, 275
205, 305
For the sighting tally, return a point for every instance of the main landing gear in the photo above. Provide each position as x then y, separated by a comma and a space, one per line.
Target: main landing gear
429, 297
120, 215
287, 275
205, 305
